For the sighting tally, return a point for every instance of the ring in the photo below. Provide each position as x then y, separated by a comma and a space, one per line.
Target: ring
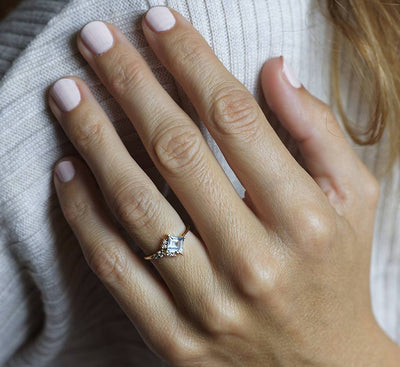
171, 246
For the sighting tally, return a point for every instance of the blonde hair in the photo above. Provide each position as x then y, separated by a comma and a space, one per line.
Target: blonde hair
372, 29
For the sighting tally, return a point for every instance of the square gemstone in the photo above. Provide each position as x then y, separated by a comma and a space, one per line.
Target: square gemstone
175, 245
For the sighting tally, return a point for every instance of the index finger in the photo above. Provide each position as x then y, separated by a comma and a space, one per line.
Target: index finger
272, 177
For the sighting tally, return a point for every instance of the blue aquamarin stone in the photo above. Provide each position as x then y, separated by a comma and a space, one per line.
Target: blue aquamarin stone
175, 245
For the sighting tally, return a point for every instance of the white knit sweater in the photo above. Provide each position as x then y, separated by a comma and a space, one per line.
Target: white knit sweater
53, 311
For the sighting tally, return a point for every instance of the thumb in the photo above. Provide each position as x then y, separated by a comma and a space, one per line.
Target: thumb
328, 156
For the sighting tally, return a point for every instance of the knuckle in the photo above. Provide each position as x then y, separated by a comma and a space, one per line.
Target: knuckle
189, 51
222, 317
256, 280
108, 262
178, 148
75, 211
126, 73
316, 231
235, 112
329, 120
372, 189
182, 352
88, 132
134, 208
264, 281
327, 112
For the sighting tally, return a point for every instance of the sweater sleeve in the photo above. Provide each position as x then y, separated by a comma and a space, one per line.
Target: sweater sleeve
22, 25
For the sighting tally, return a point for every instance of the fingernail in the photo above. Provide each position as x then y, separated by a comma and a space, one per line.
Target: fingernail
160, 18
65, 171
66, 94
97, 37
290, 75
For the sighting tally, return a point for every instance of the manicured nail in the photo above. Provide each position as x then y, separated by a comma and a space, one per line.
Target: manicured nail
65, 171
290, 75
160, 18
97, 37
66, 94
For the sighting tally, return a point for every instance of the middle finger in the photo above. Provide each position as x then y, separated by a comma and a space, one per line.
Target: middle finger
173, 141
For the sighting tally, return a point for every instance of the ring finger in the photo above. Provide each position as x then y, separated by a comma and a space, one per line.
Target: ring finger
143, 297
129, 192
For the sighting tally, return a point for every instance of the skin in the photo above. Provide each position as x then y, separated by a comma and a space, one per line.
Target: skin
280, 278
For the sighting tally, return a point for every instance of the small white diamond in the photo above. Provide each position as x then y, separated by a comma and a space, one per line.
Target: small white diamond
175, 245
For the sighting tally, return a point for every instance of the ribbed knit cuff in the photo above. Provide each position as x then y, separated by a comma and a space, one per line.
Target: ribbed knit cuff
19, 28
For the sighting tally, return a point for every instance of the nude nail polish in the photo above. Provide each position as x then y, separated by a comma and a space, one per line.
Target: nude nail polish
97, 37
290, 75
66, 94
65, 171
160, 18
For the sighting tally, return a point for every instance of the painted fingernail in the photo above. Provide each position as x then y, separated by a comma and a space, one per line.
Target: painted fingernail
160, 18
66, 94
97, 37
290, 75
65, 171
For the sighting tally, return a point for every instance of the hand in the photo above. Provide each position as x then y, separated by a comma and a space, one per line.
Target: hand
281, 281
